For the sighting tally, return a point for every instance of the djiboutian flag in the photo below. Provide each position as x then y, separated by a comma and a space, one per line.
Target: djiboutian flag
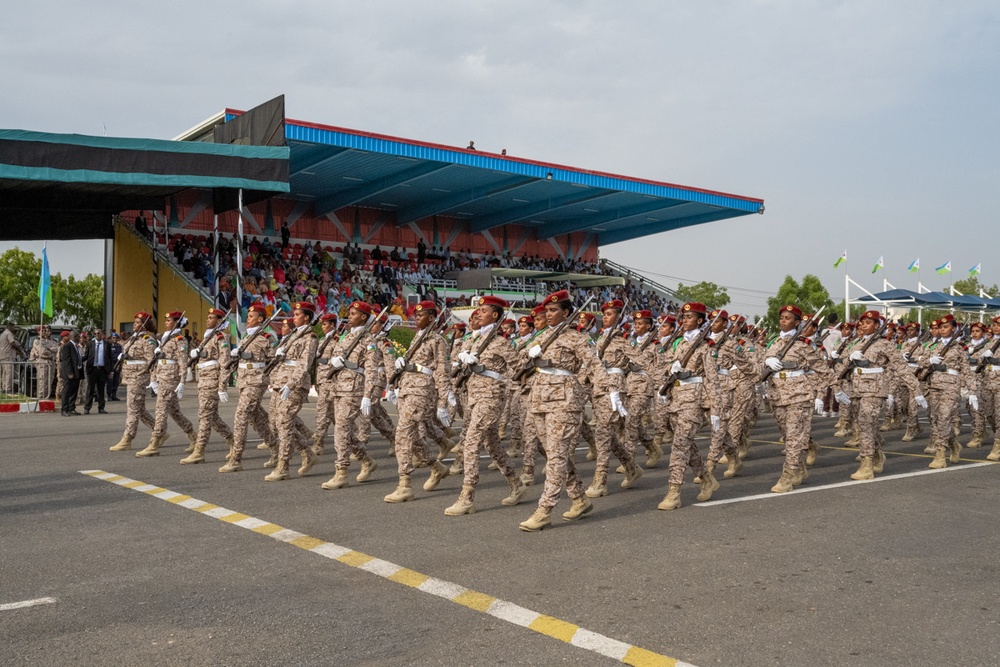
45, 286
944, 268
840, 260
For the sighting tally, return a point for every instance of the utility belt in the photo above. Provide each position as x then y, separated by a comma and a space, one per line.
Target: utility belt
207, 364
417, 368
167, 362
868, 371
694, 379
135, 362
252, 365
479, 369
614, 370
723, 371
784, 375
548, 370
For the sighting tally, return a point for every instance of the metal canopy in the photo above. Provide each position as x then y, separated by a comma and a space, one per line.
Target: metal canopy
936, 300
334, 167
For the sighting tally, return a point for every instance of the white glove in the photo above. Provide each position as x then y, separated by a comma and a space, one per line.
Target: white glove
366, 406
662, 400
470, 359
935, 360
907, 358
616, 403
535, 351
121, 355
819, 405
158, 350
920, 401
452, 401
337, 362
462, 355
857, 355
444, 417
834, 355
280, 352
890, 401
400, 364
286, 391
842, 398
154, 385
235, 352
973, 401
223, 397
676, 367
774, 363
391, 396
716, 423
964, 393
180, 390
987, 353
193, 354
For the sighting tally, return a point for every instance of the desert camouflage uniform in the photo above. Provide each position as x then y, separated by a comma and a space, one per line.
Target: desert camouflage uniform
138, 352
213, 377
168, 373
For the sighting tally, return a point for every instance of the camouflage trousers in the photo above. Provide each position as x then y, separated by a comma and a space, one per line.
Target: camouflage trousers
559, 433
324, 409
685, 420
44, 370
532, 444
414, 410
482, 423
208, 412
638, 408
300, 425
250, 412
514, 419
744, 395
347, 410
722, 440
168, 405
135, 407
943, 411
795, 425
907, 405
608, 437
285, 414
869, 420
379, 418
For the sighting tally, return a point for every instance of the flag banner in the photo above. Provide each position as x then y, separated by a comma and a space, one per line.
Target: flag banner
914, 266
45, 286
944, 268
976, 270
880, 264
840, 260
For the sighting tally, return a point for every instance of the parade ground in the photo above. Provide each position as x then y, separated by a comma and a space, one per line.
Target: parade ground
113, 560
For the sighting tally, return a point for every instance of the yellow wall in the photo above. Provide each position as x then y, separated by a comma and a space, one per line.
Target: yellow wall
133, 285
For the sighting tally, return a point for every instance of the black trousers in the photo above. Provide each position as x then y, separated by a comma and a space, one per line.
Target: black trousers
71, 387
114, 379
97, 384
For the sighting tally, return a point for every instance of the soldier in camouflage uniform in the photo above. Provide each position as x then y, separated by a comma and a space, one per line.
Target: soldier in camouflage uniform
324, 381
213, 382
729, 359
137, 353
532, 443
662, 435
977, 344
378, 418
43, 354
168, 383
639, 386
989, 384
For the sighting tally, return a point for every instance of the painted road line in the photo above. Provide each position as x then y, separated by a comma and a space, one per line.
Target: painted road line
809, 489
26, 603
549, 626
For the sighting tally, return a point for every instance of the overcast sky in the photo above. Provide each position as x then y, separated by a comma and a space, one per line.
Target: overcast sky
864, 125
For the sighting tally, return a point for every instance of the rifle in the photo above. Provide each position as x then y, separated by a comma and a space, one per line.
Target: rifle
984, 361
159, 355
414, 346
354, 343
131, 342
925, 373
767, 372
670, 341
922, 338
463, 372
665, 388
194, 360
611, 334
241, 349
278, 358
864, 348
536, 363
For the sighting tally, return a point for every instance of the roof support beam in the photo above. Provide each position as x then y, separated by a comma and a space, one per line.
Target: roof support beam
313, 164
523, 213
613, 215
352, 196
443, 205
618, 235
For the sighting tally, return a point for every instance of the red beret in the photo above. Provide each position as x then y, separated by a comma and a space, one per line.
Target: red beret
871, 315
794, 310
425, 305
526, 319
916, 325
694, 307
458, 325
490, 300
617, 304
175, 315
996, 320
65, 334
642, 315
980, 325
947, 318
142, 315
669, 319
723, 315
590, 317
257, 308
362, 306
509, 321
556, 297
737, 318
538, 310
328, 317
217, 312
304, 305
934, 323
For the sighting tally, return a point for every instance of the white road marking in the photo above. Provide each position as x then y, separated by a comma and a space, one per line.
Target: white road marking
26, 603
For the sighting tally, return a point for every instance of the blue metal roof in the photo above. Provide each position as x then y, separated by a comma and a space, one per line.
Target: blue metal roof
335, 167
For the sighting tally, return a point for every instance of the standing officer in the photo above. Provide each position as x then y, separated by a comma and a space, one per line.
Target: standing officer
136, 356
98, 367
115, 375
70, 370
168, 383
10, 351
43, 354
213, 382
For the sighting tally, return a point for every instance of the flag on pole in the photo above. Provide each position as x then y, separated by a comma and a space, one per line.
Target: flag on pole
976, 270
45, 286
880, 264
914, 266
840, 260
944, 268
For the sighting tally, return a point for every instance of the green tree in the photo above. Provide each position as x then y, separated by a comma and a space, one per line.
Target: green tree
79, 303
809, 295
704, 292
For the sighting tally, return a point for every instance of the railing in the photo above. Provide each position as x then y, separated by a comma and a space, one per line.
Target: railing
635, 276
168, 259
19, 380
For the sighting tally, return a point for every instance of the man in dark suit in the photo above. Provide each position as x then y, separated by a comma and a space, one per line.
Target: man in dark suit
98, 363
70, 370
114, 378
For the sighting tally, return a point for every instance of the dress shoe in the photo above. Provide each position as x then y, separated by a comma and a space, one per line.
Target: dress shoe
102, 411
86, 412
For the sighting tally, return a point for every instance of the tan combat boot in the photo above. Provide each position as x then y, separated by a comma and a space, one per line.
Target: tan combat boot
502, 430
464, 504
854, 440
445, 445
152, 449
995, 454
599, 487
528, 476
878, 463
368, 466
940, 460
263, 445
192, 441
458, 465
955, 450
197, 456
592, 451
308, 461
911, 434
279, 474
672, 500
317, 444
734, 467
438, 472
812, 453
517, 491
580, 508
402, 493
273, 461
865, 470
232, 465
977, 440
784, 484
655, 452
709, 484
338, 481
632, 474
537, 521
123, 445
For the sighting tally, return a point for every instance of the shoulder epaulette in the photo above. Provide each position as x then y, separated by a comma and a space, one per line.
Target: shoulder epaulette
179, 337
807, 341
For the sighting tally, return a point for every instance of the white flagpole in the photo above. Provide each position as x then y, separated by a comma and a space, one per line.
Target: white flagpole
239, 263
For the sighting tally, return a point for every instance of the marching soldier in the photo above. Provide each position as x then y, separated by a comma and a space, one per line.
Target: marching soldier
324, 381
639, 387
729, 360
977, 346
213, 382
532, 443
251, 357
989, 383
168, 382
513, 409
949, 373
906, 398
661, 420
136, 358
43, 355
379, 418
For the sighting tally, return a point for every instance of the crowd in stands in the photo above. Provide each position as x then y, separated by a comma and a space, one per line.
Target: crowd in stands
279, 273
